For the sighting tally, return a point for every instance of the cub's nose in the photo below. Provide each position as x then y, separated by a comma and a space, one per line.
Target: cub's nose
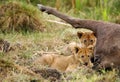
86, 64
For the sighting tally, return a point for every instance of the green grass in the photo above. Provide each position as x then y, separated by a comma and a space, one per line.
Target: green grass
52, 39
19, 16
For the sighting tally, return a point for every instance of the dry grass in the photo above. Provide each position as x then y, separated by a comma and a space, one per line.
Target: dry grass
51, 40
46, 41
16, 16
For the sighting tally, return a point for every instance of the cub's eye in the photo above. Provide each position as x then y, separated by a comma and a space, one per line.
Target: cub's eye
88, 56
91, 40
85, 41
82, 56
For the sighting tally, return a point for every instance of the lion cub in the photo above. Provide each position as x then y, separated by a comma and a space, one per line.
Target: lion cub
81, 56
87, 38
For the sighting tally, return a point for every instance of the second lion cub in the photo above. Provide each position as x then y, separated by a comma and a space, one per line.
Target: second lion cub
81, 56
87, 39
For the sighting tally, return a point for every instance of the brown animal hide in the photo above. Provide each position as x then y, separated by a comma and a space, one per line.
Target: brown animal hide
107, 50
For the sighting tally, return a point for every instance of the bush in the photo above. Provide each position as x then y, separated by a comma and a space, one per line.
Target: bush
17, 16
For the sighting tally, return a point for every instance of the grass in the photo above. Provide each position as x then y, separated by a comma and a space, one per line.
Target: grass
19, 16
95, 9
53, 39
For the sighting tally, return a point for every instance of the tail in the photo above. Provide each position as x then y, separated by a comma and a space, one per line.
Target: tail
77, 23
52, 11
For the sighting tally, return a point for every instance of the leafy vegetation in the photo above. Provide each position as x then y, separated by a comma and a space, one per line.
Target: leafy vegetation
24, 16
16, 16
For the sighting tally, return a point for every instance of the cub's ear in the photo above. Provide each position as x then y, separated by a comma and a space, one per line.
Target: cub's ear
94, 34
76, 49
79, 34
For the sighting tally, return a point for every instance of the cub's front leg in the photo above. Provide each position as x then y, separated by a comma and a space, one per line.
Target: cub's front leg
71, 68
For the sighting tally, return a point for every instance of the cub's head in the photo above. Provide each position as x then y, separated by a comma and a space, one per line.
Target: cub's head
87, 38
83, 55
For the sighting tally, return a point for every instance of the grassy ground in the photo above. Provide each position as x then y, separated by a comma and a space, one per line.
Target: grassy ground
53, 39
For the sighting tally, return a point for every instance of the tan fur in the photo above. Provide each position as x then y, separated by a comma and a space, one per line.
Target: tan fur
87, 38
69, 48
62, 63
